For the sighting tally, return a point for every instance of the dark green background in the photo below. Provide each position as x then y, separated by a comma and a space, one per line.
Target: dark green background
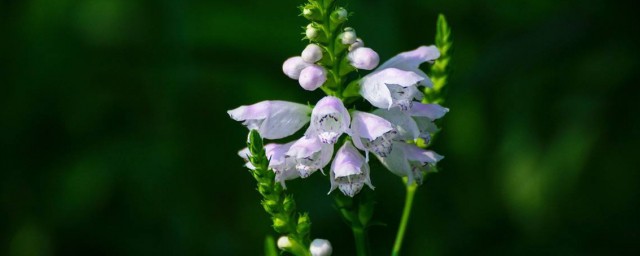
115, 140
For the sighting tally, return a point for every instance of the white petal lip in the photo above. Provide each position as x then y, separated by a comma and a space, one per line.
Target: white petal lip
273, 119
348, 161
374, 86
431, 111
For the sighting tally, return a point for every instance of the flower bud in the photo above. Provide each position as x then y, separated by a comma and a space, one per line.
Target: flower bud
312, 53
339, 15
348, 36
363, 58
280, 225
289, 204
264, 189
293, 66
270, 206
284, 242
359, 43
320, 247
312, 77
304, 224
311, 12
312, 32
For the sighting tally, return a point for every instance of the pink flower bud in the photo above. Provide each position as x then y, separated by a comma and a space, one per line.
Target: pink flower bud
364, 58
293, 66
312, 77
312, 53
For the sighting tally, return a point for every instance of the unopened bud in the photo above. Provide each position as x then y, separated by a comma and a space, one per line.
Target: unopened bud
339, 15
289, 204
348, 36
312, 53
357, 44
270, 206
312, 77
304, 224
364, 58
293, 66
280, 225
311, 13
312, 32
320, 247
284, 242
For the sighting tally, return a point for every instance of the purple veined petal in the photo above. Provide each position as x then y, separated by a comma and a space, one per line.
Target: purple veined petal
329, 120
310, 155
372, 133
293, 66
411, 60
363, 58
403, 97
312, 77
431, 111
273, 119
404, 124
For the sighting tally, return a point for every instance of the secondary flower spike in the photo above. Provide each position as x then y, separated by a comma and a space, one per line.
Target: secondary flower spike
329, 120
309, 155
272, 119
349, 171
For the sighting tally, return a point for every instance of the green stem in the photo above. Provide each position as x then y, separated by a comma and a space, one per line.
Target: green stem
411, 190
361, 241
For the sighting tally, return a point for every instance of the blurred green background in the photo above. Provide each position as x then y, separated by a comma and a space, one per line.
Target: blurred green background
115, 140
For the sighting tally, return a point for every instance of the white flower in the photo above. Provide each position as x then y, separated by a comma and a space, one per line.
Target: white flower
309, 155
372, 133
272, 119
415, 123
395, 82
409, 160
349, 171
329, 119
320, 247
312, 77
363, 58
312, 53
293, 66
391, 87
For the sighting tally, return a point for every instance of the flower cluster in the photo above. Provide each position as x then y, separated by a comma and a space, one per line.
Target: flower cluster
388, 132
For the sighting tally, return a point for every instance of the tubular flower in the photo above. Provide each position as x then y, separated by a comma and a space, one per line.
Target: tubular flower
415, 123
391, 87
372, 133
349, 171
411, 161
394, 82
309, 154
329, 119
272, 119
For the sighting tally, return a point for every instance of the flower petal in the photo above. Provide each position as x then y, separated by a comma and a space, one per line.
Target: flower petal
348, 161
329, 120
411, 60
405, 125
273, 119
415, 153
431, 111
